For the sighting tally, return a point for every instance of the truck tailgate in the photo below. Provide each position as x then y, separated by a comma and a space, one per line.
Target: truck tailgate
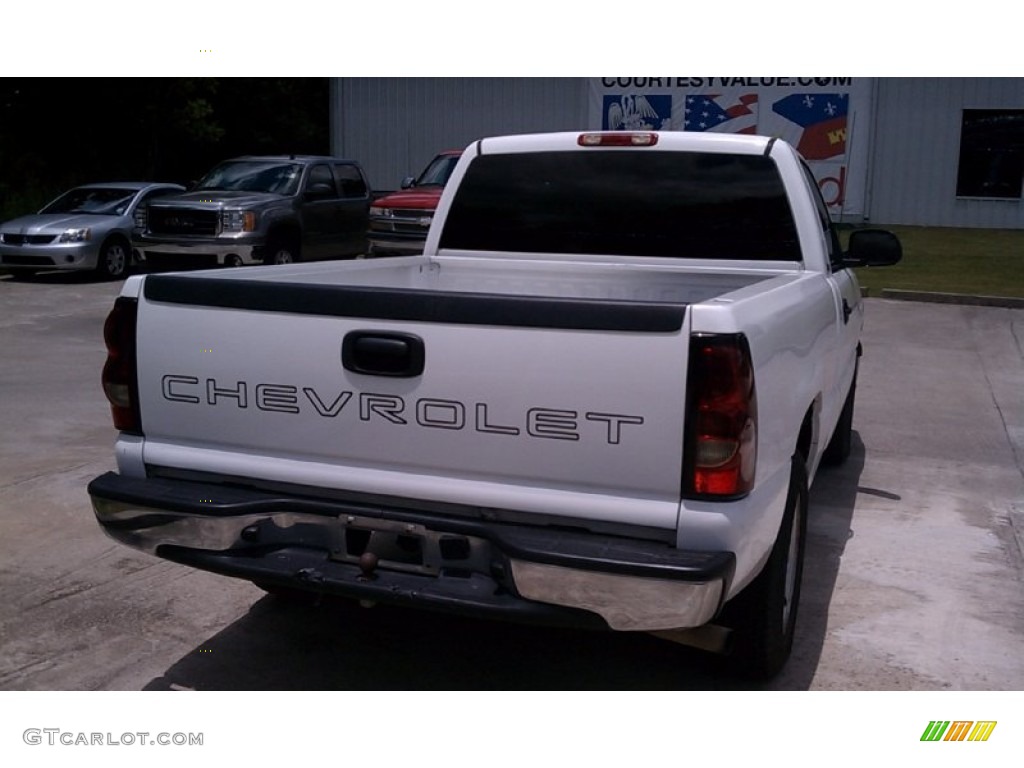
562, 406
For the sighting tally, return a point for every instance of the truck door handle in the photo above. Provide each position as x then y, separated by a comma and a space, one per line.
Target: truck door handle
375, 353
847, 311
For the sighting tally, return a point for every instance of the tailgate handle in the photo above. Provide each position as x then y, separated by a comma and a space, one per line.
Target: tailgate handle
376, 353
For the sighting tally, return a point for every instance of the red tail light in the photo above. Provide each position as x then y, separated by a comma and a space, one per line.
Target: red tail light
721, 419
120, 382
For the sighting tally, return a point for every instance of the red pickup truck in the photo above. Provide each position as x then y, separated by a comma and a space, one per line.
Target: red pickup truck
399, 222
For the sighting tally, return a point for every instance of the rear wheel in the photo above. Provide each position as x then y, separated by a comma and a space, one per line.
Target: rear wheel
763, 616
288, 594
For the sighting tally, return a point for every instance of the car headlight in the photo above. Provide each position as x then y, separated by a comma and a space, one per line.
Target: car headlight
237, 221
74, 235
376, 210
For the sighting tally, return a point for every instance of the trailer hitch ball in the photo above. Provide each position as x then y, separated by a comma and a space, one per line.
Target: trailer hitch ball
368, 564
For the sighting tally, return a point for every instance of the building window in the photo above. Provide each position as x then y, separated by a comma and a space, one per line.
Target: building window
991, 153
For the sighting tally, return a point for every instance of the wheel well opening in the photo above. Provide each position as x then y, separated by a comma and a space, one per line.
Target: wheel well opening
117, 237
285, 235
808, 433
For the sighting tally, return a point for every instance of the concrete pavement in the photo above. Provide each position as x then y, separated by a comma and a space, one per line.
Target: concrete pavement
913, 578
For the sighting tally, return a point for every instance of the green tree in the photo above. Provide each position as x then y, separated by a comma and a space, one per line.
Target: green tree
59, 132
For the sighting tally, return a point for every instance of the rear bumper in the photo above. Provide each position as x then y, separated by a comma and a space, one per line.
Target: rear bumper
460, 565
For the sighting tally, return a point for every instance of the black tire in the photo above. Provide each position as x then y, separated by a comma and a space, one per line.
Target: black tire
763, 616
838, 449
114, 260
233, 260
282, 252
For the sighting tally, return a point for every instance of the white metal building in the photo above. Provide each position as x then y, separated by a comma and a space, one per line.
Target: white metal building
926, 151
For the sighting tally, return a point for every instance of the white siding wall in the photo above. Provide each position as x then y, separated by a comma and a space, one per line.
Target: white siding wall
393, 126
916, 149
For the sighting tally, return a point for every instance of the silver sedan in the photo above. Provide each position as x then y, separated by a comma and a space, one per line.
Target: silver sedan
88, 227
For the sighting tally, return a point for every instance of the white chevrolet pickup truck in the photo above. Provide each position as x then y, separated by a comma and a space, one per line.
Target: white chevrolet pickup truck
596, 400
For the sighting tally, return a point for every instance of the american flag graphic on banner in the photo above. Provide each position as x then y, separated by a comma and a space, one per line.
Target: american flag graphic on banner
820, 119
721, 113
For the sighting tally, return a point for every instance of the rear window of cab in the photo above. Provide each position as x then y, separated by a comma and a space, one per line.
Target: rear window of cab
627, 203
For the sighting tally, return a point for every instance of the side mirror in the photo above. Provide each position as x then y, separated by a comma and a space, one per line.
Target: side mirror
872, 248
408, 181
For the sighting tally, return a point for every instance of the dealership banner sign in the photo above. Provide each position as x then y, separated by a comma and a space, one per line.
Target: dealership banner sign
825, 118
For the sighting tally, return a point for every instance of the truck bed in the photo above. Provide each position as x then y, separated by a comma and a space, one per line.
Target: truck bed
553, 278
